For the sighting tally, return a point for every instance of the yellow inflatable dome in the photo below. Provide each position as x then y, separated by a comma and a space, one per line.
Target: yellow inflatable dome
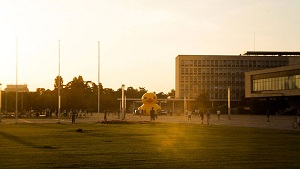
149, 100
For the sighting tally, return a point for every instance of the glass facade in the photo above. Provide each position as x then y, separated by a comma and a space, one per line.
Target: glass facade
276, 83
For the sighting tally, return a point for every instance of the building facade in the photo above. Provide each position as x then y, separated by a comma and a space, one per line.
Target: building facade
14, 88
276, 89
213, 74
274, 82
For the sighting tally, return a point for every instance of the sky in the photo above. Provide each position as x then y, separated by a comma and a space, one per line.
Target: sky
139, 39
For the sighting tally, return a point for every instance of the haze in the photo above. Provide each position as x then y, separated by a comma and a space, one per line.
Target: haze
139, 39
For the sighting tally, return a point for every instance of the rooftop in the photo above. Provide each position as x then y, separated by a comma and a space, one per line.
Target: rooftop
271, 53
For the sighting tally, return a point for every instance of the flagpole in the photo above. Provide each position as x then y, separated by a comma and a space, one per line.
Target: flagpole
58, 82
16, 114
98, 81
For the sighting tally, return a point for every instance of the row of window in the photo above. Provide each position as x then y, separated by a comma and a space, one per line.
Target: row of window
233, 63
211, 88
207, 79
215, 96
277, 83
214, 70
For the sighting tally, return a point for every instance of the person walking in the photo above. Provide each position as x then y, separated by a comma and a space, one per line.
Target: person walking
268, 115
73, 116
202, 116
208, 116
218, 113
105, 118
152, 116
189, 116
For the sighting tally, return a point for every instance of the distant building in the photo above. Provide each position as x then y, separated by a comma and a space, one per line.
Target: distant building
275, 89
14, 88
274, 82
212, 74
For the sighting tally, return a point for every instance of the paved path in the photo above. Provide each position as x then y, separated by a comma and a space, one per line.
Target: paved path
259, 121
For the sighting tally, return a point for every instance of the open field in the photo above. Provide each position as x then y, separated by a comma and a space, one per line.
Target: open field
134, 145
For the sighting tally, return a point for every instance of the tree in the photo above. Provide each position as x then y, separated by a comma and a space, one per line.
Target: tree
132, 93
40, 90
57, 80
171, 94
44, 100
78, 96
202, 101
142, 91
161, 95
109, 100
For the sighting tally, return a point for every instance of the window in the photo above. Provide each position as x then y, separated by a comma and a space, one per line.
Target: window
182, 63
297, 78
277, 83
199, 62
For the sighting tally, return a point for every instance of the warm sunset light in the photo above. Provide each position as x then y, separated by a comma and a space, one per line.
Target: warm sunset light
138, 38
150, 84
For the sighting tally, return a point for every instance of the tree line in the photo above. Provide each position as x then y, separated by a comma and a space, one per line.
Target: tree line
76, 94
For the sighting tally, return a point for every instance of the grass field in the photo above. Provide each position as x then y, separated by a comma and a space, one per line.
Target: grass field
164, 145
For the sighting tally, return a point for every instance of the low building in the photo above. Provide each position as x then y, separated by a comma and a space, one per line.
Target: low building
280, 81
14, 88
278, 88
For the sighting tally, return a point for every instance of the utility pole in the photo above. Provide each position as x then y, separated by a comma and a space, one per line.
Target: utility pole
98, 81
58, 113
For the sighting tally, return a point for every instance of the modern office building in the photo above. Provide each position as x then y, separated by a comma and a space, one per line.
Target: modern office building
274, 82
276, 89
213, 74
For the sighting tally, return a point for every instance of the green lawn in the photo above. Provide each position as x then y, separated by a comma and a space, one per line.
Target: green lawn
164, 145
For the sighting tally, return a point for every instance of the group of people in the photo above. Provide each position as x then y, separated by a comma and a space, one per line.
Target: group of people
201, 114
189, 115
208, 116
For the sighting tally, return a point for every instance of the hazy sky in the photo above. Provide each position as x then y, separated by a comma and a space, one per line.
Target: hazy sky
139, 39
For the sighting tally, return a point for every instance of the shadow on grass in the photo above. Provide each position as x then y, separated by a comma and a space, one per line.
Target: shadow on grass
24, 142
125, 122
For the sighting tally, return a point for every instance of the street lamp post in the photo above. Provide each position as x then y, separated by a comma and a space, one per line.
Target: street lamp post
22, 103
124, 106
5, 103
58, 89
228, 102
16, 113
98, 81
123, 102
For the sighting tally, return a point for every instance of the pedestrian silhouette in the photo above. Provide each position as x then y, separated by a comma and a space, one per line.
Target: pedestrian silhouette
152, 116
268, 115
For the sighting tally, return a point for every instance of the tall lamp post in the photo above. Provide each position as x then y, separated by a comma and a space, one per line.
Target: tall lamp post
16, 114
58, 113
98, 82
123, 102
